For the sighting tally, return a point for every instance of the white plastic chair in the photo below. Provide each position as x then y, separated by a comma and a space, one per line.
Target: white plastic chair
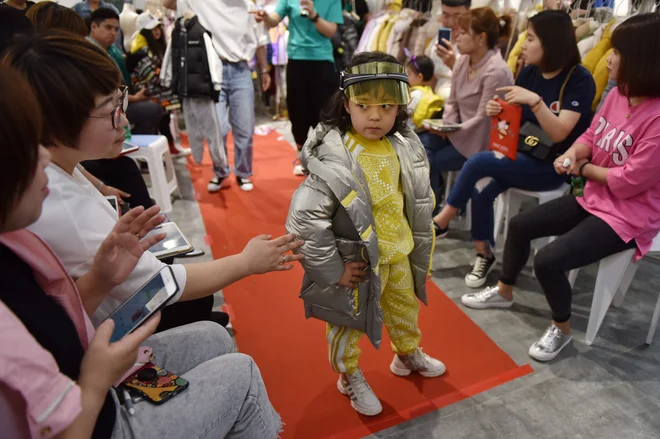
155, 151
508, 206
615, 274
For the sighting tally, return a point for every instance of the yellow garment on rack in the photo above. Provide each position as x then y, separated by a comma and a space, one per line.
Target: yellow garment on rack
138, 43
600, 78
591, 59
512, 62
385, 34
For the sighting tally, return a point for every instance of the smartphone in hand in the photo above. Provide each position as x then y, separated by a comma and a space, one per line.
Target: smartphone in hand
444, 33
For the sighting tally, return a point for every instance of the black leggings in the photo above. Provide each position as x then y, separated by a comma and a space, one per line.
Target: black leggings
309, 86
583, 239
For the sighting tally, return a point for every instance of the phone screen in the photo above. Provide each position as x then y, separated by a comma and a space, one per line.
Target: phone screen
444, 33
141, 305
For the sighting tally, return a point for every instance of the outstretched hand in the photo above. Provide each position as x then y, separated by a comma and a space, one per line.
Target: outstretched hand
263, 254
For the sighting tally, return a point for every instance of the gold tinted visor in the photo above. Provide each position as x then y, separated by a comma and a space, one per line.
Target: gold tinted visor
376, 83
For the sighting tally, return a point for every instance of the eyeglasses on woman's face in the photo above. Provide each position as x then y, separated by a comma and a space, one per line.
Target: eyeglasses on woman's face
118, 110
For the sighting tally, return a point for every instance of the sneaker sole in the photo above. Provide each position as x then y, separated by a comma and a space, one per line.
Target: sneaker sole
479, 282
406, 372
549, 357
486, 305
247, 189
357, 408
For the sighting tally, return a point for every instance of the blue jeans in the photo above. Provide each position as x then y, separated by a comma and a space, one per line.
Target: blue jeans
443, 157
236, 108
502, 173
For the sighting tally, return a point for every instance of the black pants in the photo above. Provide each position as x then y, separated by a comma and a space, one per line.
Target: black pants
309, 87
123, 174
164, 128
583, 239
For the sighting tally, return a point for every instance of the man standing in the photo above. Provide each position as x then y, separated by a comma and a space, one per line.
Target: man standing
236, 38
86, 7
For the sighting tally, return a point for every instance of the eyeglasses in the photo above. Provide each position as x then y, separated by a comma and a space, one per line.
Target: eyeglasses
115, 115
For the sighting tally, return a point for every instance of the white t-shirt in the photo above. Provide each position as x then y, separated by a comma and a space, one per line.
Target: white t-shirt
236, 34
75, 220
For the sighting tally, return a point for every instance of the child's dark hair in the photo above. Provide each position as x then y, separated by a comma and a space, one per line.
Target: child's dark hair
422, 64
335, 113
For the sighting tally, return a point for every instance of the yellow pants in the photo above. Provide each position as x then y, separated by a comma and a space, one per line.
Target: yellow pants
400, 312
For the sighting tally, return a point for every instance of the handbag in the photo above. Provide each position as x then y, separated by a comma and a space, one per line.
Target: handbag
535, 142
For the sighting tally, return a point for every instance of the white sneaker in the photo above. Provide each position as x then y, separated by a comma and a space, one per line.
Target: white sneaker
488, 298
550, 345
245, 184
363, 399
482, 266
418, 362
215, 185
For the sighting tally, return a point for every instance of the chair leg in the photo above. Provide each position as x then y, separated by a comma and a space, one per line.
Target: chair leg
572, 276
610, 273
448, 182
512, 204
654, 322
499, 216
626, 280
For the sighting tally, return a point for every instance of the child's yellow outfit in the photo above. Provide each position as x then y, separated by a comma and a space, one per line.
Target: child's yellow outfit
400, 306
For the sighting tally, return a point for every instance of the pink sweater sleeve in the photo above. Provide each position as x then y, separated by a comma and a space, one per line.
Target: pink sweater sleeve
51, 399
640, 172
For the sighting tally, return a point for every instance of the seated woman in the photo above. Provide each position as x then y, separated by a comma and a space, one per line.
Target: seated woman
144, 62
619, 157
122, 171
58, 382
77, 86
556, 93
477, 75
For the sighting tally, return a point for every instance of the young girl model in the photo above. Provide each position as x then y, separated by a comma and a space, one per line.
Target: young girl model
364, 212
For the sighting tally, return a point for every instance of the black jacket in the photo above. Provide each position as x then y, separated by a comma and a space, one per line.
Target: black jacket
191, 76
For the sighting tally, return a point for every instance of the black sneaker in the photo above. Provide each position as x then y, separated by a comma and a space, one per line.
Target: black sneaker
245, 184
440, 232
482, 266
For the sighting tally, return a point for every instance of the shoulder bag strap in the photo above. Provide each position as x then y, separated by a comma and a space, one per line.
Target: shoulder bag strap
563, 86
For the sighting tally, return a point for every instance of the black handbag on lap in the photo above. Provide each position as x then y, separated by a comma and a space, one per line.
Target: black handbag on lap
535, 142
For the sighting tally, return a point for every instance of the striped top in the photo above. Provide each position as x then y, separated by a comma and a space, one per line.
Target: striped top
468, 98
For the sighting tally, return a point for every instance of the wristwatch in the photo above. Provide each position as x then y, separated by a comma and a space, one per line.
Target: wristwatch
315, 18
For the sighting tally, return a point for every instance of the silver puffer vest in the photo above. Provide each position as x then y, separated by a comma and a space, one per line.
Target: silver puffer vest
331, 211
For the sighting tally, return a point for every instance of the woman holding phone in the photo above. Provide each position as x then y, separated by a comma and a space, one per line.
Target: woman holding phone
78, 89
58, 373
477, 75
553, 72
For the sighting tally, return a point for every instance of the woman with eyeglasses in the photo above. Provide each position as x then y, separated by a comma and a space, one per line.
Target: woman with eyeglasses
57, 372
477, 75
77, 87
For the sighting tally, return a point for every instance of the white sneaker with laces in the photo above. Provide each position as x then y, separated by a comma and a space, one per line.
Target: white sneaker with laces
245, 184
418, 362
488, 298
363, 399
482, 266
550, 345
215, 185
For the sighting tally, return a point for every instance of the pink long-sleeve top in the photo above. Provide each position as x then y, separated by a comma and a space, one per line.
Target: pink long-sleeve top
626, 140
468, 98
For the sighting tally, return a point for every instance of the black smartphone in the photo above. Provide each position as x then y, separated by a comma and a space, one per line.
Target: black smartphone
444, 33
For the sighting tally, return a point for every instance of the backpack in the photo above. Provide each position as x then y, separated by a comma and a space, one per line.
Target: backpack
429, 105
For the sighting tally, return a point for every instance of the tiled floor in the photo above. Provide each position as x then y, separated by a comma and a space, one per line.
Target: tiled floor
608, 390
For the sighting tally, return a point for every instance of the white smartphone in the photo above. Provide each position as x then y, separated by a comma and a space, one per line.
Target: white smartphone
175, 243
148, 300
439, 125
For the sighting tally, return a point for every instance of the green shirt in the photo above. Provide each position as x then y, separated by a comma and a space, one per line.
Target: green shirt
305, 42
